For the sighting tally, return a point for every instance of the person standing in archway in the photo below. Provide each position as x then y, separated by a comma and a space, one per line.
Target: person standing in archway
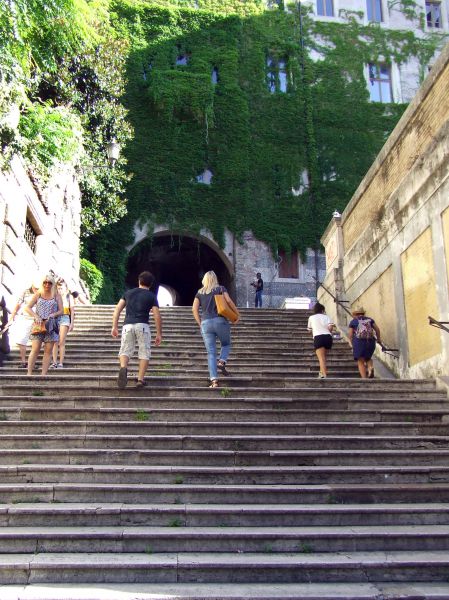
139, 303
258, 285
212, 325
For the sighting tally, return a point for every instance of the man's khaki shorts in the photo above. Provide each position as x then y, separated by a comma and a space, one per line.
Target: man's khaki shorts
136, 333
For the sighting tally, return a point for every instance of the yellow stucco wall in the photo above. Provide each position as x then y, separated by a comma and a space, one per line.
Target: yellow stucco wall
418, 134
379, 303
418, 275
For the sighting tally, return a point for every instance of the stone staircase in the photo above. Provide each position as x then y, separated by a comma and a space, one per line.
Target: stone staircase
277, 485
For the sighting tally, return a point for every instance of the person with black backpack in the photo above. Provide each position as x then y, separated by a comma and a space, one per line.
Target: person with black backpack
363, 335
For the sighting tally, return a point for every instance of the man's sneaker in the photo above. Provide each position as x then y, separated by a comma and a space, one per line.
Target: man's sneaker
122, 378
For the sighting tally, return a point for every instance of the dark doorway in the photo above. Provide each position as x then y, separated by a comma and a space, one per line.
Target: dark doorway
177, 262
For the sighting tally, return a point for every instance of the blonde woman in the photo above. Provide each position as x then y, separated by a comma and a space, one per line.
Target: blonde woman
48, 305
212, 326
66, 324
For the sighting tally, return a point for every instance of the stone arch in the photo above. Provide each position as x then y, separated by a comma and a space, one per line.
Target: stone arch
178, 261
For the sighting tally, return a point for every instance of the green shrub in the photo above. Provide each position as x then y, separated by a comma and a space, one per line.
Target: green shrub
92, 277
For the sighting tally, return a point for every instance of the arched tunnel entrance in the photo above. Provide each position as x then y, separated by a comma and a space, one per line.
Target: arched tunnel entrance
178, 263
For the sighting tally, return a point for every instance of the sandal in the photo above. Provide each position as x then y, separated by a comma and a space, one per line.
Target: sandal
371, 373
214, 383
221, 364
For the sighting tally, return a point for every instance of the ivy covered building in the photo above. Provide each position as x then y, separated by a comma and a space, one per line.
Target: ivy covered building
244, 126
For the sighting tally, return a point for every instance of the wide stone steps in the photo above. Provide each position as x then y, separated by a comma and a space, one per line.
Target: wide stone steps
229, 591
185, 457
276, 485
226, 515
223, 567
33, 413
225, 493
173, 536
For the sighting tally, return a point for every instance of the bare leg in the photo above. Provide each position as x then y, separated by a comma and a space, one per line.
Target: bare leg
63, 330
35, 349
362, 368
124, 360
23, 353
321, 353
46, 359
143, 365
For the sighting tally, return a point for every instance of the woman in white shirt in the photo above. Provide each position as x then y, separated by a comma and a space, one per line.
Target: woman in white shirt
321, 327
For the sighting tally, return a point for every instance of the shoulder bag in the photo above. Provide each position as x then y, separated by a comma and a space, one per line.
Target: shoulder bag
224, 310
38, 328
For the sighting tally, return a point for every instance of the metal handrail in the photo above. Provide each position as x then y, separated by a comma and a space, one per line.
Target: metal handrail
384, 348
439, 324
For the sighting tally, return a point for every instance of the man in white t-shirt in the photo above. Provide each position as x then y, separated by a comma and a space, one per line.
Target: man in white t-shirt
321, 327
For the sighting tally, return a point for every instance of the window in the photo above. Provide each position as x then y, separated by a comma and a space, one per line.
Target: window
374, 10
205, 177
214, 76
325, 8
379, 82
288, 265
277, 75
30, 236
433, 14
182, 60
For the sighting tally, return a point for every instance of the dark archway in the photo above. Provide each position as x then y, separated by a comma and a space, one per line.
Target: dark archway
179, 262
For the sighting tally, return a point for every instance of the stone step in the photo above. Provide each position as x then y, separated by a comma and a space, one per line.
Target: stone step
36, 441
145, 426
214, 475
224, 567
61, 383
256, 494
226, 515
230, 591
223, 458
178, 538
39, 413
309, 401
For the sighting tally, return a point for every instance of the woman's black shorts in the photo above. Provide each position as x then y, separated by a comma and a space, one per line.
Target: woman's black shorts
322, 341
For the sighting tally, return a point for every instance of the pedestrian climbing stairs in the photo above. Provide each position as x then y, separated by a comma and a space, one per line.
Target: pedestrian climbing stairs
278, 485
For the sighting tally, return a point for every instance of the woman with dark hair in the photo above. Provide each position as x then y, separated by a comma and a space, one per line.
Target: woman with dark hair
321, 327
363, 335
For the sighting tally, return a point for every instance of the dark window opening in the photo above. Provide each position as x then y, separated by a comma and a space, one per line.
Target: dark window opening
277, 74
380, 82
325, 8
288, 265
374, 10
214, 76
30, 236
433, 14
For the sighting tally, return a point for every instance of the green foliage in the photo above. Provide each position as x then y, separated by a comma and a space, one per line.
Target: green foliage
54, 136
63, 65
92, 277
258, 145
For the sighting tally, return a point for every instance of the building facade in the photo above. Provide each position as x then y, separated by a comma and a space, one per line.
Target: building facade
389, 250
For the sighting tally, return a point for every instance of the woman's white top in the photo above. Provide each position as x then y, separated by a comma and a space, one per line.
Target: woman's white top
319, 324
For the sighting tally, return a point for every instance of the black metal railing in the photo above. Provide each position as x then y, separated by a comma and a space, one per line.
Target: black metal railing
385, 349
439, 324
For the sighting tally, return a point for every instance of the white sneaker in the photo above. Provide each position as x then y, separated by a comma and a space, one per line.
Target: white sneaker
59, 366
53, 366
321, 376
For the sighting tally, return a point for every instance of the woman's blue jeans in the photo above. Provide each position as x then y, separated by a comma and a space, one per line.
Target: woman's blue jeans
211, 329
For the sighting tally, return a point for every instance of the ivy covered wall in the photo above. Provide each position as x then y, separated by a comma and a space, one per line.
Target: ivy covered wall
282, 159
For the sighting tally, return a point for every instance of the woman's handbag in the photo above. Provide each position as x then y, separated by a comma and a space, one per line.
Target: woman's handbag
224, 310
38, 328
